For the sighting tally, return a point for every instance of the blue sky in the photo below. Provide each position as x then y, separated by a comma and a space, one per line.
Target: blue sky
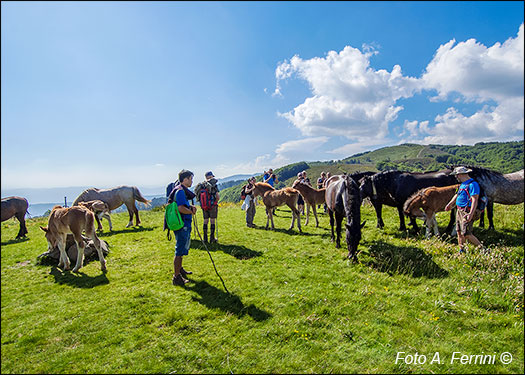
129, 93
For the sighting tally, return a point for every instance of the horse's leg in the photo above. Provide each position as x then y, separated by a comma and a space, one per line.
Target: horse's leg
96, 242
338, 222
434, 220
137, 220
307, 213
490, 214
451, 222
268, 213
23, 230
295, 214
79, 241
402, 226
314, 209
482, 219
99, 221
331, 214
109, 221
64, 260
130, 212
378, 206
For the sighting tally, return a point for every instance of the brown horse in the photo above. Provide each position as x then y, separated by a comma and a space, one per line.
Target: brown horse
100, 209
312, 197
426, 202
17, 207
114, 198
72, 220
274, 198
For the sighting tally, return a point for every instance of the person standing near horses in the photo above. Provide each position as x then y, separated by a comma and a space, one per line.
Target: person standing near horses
250, 202
270, 178
466, 200
208, 196
182, 195
320, 185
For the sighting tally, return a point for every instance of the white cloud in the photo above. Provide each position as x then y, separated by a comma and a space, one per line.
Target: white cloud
349, 97
477, 72
297, 150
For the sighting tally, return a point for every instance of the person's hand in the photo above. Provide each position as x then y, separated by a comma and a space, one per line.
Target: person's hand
193, 209
447, 207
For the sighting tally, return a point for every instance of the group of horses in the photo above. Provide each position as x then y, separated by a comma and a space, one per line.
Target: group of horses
92, 204
415, 195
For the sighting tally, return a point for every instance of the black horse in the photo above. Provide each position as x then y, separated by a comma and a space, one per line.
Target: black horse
393, 188
343, 199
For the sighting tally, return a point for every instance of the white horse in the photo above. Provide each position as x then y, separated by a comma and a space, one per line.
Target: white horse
114, 198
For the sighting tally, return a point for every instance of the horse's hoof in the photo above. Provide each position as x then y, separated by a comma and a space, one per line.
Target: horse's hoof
75, 270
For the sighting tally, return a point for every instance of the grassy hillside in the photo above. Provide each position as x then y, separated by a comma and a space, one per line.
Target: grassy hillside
504, 157
296, 304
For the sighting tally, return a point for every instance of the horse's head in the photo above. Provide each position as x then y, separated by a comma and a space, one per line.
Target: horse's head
52, 239
413, 205
352, 205
367, 187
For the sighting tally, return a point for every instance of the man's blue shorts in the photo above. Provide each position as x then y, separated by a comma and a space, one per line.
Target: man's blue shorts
183, 237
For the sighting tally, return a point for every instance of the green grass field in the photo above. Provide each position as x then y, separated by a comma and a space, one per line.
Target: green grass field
296, 304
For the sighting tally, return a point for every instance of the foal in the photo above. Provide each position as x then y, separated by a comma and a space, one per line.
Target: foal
274, 198
72, 220
426, 202
312, 197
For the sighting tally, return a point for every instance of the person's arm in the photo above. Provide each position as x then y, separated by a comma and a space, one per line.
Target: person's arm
474, 199
188, 211
452, 201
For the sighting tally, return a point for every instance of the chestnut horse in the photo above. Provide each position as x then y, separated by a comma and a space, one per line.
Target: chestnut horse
274, 198
114, 198
426, 202
17, 207
312, 197
72, 220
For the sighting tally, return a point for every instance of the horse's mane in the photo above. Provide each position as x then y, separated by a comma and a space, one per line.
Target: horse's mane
384, 176
265, 185
418, 193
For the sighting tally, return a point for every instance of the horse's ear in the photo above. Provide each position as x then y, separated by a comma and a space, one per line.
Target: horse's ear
45, 229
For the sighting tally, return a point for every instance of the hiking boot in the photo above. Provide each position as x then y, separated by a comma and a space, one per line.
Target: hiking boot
183, 272
462, 250
213, 240
179, 280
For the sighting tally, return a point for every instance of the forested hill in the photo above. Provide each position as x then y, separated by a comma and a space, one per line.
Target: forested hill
504, 157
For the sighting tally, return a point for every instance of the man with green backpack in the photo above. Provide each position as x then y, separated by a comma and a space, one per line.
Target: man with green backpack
181, 195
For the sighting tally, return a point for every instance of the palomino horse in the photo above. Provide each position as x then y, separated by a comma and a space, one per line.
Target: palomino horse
72, 220
312, 197
426, 202
100, 209
394, 187
499, 188
114, 198
275, 198
17, 207
344, 200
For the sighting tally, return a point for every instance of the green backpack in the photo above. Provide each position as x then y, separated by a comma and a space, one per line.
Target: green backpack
172, 217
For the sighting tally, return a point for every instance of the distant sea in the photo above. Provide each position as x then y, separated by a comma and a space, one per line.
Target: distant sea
39, 209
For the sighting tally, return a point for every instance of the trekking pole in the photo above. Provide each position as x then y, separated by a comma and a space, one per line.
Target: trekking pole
212, 262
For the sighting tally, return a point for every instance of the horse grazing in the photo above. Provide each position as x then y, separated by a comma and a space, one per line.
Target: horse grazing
100, 209
392, 188
74, 220
275, 198
343, 199
500, 188
17, 207
114, 198
426, 202
312, 197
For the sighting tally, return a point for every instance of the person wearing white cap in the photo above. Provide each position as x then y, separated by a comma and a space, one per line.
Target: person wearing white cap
466, 200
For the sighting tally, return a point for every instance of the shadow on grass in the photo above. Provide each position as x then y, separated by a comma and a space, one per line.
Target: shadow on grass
19, 240
293, 231
508, 237
214, 298
239, 252
403, 260
78, 280
127, 230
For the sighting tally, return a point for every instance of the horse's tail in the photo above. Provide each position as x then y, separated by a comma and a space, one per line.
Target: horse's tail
138, 196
